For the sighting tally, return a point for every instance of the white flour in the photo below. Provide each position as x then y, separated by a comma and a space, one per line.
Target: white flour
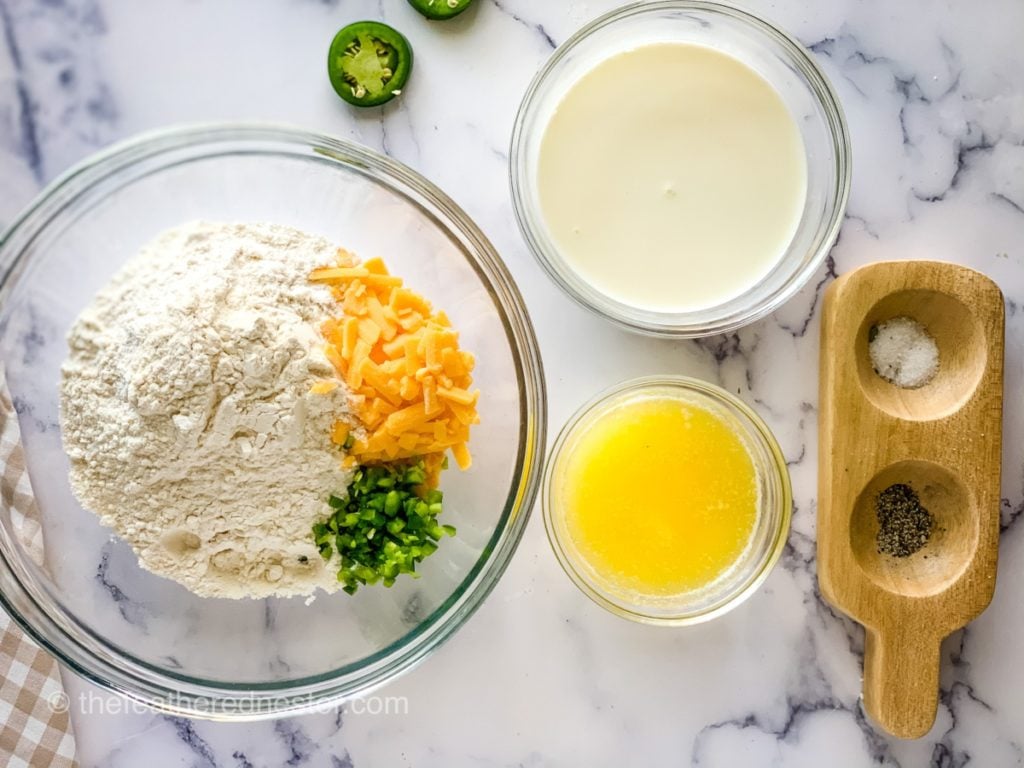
187, 415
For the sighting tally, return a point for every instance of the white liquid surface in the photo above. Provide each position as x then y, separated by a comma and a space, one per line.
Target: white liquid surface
672, 177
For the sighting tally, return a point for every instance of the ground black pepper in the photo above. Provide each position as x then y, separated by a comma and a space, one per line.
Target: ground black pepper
904, 526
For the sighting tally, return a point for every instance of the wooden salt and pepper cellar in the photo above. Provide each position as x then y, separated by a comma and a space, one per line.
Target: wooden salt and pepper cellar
943, 440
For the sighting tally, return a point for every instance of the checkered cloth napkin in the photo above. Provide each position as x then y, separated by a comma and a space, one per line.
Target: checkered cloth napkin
35, 730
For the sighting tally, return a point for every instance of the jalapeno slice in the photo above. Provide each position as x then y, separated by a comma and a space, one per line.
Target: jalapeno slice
369, 63
440, 9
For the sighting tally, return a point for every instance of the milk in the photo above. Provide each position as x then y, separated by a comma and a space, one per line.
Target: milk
672, 177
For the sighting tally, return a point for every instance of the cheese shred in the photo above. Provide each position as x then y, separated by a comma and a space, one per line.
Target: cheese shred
411, 385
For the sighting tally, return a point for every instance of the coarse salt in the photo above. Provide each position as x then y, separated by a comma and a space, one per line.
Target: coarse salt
904, 353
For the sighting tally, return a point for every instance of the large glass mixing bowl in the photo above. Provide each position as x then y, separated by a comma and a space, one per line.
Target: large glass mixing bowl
89, 603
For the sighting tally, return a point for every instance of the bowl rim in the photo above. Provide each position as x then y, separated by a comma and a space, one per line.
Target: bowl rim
757, 429
55, 628
674, 324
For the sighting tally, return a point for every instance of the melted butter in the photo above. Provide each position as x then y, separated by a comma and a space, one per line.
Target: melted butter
660, 496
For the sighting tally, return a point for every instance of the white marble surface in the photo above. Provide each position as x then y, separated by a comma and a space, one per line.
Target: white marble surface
934, 93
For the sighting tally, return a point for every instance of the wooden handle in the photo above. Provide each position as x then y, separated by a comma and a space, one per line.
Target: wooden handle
901, 680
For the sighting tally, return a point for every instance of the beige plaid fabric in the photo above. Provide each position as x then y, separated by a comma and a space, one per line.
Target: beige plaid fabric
35, 730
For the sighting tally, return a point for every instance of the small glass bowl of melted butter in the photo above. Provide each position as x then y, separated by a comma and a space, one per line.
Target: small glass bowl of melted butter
680, 168
667, 500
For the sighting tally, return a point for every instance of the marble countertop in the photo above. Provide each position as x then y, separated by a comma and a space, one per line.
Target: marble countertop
540, 676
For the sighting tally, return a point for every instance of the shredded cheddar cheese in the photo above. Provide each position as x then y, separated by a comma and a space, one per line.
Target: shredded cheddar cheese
410, 383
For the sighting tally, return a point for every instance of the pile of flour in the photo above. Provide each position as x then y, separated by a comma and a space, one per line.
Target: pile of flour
186, 410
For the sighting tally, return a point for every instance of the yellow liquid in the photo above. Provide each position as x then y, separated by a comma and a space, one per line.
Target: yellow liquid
660, 496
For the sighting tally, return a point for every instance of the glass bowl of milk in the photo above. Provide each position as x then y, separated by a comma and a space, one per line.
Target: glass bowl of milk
680, 168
